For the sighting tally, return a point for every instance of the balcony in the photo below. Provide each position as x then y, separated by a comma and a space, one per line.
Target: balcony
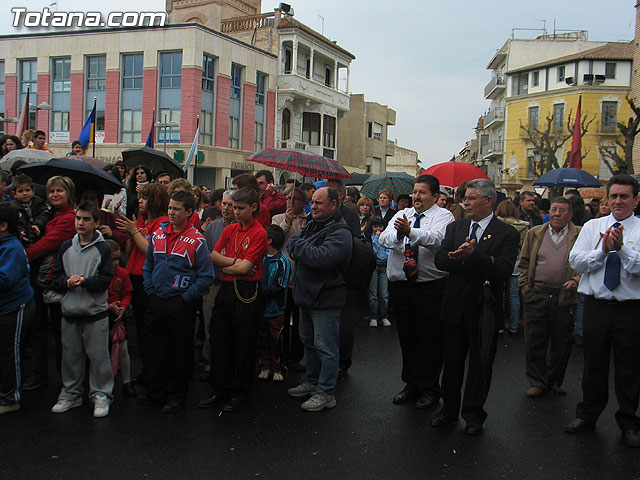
495, 86
608, 127
493, 117
491, 149
243, 24
304, 88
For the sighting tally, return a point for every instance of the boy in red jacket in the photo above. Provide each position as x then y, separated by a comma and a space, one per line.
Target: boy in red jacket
119, 298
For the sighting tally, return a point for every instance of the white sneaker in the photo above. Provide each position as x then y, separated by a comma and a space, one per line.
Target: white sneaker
66, 405
277, 377
373, 323
264, 375
305, 389
100, 406
318, 402
386, 322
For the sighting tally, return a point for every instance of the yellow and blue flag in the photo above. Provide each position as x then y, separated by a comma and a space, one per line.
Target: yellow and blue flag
88, 132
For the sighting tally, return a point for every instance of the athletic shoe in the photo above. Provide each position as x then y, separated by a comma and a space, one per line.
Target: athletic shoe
277, 377
9, 408
303, 390
264, 375
386, 322
100, 406
318, 402
66, 405
373, 323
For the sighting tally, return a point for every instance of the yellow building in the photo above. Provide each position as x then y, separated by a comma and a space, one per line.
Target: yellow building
551, 89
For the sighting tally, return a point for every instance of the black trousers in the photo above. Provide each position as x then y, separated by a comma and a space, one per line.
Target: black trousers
11, 327
417, 316
352, 313
547, 338
38, 331
611, 325
459, 340
234, 339
292, 348
166, 347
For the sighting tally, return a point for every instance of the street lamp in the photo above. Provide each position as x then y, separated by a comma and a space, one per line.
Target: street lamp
165, 125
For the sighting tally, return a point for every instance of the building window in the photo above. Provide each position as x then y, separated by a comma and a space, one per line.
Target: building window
535, 81
558, 117
96, 75
609, 116
533, 158
561, 71
208, 73
258, 131
235, 110
610, 70
311, 128
329, 132
519, 84
534, 113
374, 130
60, 121
327, 76
288, 56
132, 71
328, 153
206, 127
286, 124
130, 99
307, 72
61, 74
28, 78
171, 70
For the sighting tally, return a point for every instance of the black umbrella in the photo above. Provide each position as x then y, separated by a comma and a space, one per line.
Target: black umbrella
154, 160
356, 179
81, 173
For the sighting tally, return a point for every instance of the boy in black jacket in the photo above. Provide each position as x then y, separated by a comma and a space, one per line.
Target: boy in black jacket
33, 211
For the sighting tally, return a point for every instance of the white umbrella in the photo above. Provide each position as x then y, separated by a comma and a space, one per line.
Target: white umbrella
27, 155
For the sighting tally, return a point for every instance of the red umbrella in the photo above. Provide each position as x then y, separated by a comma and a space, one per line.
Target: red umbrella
306, 163
452, 174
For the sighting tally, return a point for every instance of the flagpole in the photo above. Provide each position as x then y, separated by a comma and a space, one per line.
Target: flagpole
95, 100
28, 112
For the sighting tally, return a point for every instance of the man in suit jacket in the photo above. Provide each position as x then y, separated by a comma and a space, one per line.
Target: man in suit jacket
384, 210
476, 249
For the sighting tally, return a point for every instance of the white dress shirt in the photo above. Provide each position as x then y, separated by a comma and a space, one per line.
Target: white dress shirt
427, 237
557, 237
482, 226
588, 258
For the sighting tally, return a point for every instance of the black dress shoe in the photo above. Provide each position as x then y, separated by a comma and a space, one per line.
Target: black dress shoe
233, 405
33, 385
631, 438
171, 407
405, 396
473, 428
442, 419
213, 401
128, 390
425, 401
579, 426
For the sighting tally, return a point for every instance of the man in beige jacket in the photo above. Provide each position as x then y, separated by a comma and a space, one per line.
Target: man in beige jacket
548, 285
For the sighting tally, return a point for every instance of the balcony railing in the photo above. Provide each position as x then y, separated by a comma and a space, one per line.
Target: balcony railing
498, 81
240, 24
608, 127
492, 148
495, 115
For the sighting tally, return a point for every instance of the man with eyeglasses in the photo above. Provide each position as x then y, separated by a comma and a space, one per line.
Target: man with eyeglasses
607, 254
476, 250
292, 221
548, 285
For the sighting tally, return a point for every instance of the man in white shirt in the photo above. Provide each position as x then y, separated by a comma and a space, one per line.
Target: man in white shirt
607, 254
413, 235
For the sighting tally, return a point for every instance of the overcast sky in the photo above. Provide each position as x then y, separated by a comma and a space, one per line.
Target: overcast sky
426, 59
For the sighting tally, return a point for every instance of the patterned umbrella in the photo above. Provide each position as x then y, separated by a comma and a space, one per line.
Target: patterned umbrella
453, 174
397, 182
305, 163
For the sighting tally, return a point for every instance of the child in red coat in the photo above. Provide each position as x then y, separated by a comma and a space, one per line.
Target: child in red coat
119, 299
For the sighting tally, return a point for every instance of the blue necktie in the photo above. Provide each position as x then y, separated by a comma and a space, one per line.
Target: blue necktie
474, 228
416, 222
612, 267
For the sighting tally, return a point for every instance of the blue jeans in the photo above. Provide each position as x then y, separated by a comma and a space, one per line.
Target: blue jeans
579, 315
379, 293
514, 303
320, 335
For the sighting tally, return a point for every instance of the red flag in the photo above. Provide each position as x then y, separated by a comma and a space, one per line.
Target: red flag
23, 121
575, 160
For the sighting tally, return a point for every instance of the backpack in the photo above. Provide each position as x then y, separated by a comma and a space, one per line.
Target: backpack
358, 273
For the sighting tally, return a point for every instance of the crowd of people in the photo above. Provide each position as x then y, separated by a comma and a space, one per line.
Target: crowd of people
270, 281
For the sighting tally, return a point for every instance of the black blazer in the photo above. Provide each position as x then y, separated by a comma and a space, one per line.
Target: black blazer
492, 259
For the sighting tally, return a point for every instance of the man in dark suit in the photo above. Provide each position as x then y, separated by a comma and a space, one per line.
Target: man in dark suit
383, 210
476, 249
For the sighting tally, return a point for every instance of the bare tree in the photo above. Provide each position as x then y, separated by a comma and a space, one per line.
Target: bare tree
614, 162
548, 141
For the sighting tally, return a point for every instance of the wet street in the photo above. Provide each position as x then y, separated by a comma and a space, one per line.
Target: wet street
364, 437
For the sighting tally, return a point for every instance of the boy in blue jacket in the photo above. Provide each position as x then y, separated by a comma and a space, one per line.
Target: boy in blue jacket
177, 274
276, 269
16, 305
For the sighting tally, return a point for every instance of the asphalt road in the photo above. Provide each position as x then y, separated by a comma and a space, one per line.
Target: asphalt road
364, 437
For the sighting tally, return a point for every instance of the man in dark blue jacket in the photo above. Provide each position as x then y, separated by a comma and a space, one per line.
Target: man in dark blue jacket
177, 273
322, 251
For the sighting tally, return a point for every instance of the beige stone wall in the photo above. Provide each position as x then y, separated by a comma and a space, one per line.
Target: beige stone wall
403, 160
210, 12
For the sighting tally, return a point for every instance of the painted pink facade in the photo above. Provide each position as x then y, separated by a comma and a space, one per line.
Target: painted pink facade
190, 102
44, 95
149, 101
270, 129
76, 106
112, 107
248, 117
10, 100
222, 112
